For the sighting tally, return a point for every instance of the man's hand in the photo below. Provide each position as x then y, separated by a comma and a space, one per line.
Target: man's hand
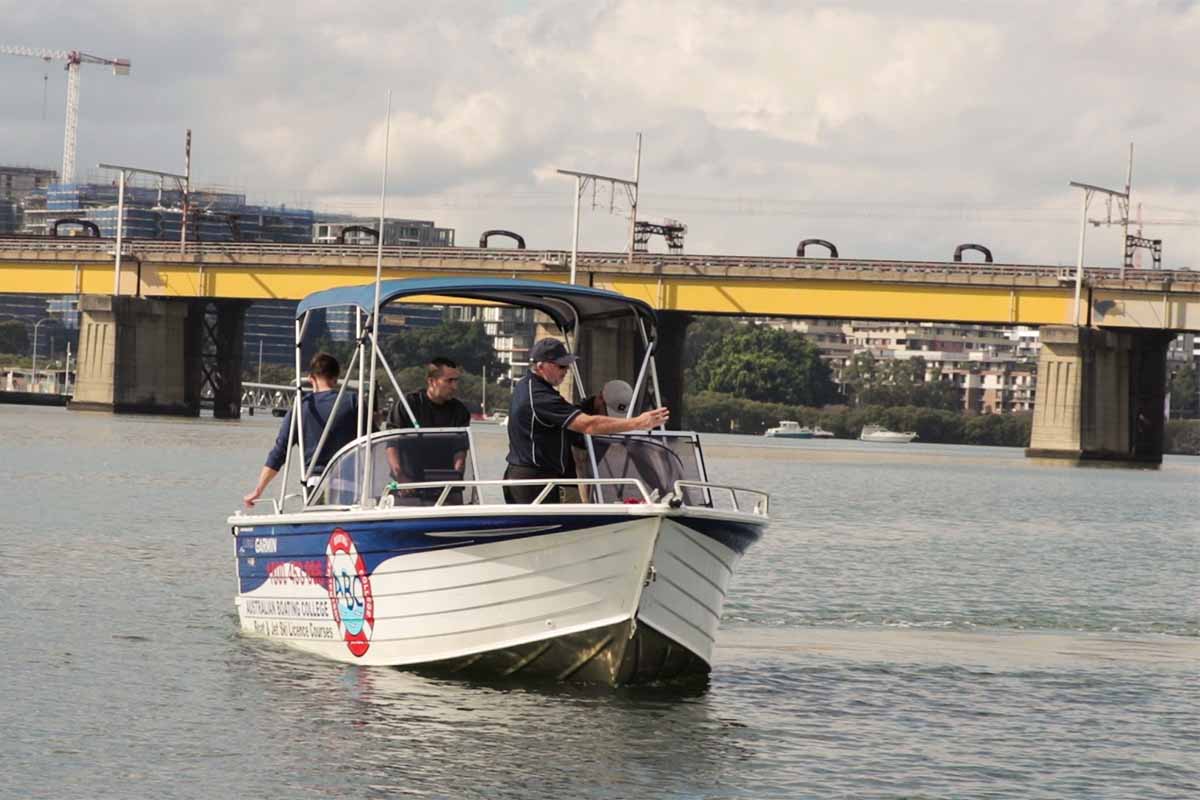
652, 419
249, 499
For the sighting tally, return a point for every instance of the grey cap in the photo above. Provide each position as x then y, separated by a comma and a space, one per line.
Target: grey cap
617, 397
551, 350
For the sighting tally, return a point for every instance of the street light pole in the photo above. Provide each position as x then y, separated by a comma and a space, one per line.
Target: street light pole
260, 343
36, 325
582, 179
124, 174
1088, 191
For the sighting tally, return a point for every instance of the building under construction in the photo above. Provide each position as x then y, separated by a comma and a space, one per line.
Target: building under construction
17, 186
32, 203
157, 213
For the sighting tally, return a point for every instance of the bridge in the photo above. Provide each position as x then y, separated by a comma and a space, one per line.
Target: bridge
1005, 294
180, 308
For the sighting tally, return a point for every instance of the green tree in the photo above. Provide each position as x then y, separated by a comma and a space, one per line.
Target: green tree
757, 362
1183, 391
464, 342
14, 339
897, 382
701, 335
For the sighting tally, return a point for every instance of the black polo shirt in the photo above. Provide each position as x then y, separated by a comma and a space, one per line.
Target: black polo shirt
537, 427
450, 414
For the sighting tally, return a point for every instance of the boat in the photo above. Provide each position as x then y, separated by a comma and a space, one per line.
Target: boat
821, 433
877, 433
790, 429
437, 573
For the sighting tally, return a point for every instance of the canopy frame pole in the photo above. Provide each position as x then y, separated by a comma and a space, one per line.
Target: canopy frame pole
387, 136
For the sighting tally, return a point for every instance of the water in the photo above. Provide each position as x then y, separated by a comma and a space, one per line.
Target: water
921, 621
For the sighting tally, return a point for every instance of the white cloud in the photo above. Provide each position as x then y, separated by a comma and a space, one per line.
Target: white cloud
898, 131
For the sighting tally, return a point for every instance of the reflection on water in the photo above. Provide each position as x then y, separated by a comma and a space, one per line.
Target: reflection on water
920, 620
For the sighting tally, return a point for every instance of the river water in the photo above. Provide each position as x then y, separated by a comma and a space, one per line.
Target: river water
920, 621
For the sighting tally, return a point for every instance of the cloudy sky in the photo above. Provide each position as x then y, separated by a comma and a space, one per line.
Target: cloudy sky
897, 130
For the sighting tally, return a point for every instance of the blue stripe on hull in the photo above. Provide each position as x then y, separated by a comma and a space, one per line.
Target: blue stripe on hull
266, 547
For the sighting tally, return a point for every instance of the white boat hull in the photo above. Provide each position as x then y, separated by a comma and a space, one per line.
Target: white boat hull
570, 598
889, 437
687, 591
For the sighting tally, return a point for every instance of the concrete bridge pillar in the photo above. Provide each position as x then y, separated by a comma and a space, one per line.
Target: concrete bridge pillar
1100, 395
132, 357
142, 356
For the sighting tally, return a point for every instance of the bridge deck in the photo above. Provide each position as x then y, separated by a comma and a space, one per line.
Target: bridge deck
803, 287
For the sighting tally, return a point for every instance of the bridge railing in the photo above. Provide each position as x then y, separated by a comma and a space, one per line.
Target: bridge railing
264, 252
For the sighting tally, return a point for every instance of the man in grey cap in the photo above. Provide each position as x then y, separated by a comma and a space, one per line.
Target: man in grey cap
540, 419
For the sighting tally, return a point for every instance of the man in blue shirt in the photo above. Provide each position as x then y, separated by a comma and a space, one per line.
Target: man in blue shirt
540, 421
316, 409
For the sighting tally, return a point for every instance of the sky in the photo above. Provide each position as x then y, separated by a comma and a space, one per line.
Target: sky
895, 130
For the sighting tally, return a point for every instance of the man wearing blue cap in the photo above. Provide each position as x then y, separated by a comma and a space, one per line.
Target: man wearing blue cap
539, 421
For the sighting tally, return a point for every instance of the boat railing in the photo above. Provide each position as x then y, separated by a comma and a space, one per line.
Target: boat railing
548, 484
714, 496
759, 502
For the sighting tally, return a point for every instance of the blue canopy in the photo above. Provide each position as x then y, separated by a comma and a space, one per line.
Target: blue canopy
564, 303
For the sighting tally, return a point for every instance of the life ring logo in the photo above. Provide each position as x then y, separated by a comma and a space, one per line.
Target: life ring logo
350, 592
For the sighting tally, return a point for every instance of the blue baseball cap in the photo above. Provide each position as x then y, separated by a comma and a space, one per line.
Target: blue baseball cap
551, 350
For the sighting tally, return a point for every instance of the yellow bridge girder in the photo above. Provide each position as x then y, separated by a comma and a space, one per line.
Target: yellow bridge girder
839, 289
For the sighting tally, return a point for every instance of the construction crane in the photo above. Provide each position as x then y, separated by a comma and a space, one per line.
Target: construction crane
73, 58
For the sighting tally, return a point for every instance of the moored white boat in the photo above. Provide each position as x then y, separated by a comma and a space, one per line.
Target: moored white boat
877, 433
790, 429
439, 573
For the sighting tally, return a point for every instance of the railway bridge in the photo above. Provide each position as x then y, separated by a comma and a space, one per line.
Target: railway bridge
161, 319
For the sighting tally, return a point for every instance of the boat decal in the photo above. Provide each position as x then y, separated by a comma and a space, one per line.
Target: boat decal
350, 592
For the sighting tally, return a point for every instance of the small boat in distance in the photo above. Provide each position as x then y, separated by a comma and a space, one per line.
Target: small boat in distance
878, 433
821, 433
790, 429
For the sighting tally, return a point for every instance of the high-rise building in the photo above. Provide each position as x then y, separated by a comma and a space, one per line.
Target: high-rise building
344, 229
17, 184
157, 213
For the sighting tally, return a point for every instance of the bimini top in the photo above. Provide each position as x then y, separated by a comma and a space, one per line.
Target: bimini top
564, 303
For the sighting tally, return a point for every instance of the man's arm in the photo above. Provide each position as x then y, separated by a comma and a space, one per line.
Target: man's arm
264, 477
592, 424
275, 460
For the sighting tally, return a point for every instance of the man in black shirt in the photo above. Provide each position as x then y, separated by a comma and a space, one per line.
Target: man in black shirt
540, 421
435, 406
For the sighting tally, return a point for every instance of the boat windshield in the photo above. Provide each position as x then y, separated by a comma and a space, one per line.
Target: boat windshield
658, 459
399, 459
